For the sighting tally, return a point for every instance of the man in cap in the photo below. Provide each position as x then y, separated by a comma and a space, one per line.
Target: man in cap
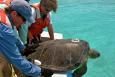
11, 18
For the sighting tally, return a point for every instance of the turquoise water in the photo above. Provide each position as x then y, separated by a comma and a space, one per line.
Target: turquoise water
93, 21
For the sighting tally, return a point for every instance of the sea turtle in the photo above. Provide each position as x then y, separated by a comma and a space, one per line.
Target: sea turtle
63, 55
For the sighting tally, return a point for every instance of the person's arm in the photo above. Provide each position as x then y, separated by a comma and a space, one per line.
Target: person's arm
11, 52
50, 27
50, 31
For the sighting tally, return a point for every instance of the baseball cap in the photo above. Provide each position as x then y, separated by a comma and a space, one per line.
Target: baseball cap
23, 8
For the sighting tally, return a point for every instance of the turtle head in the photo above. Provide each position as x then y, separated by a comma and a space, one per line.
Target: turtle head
94, 53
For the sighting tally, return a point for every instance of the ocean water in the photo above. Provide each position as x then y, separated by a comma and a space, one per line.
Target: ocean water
93, 21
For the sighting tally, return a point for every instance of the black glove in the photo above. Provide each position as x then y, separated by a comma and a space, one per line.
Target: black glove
29, 49
46, 72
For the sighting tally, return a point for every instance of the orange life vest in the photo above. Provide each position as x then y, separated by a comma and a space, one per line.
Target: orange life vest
2, 16
7, 2
40, 23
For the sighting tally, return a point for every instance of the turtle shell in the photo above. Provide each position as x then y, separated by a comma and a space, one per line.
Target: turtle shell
61, 55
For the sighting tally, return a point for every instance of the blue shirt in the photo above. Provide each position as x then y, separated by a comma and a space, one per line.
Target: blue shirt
10, 47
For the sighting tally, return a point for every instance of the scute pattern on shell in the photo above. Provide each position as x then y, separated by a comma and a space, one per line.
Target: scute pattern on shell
61, 54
